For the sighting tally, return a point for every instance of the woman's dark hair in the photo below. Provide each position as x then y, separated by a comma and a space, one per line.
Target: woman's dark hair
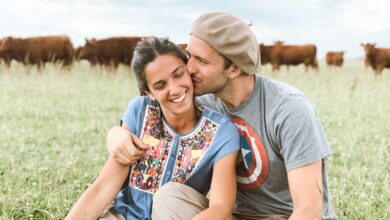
146, 51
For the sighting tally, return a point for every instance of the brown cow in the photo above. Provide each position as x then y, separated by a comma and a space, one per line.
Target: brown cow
378, 58
334, 58
1, 58
265, 53
110, 51
38, 50
293, 55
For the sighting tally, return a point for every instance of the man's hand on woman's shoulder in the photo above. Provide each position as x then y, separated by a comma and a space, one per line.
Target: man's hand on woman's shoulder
124, 146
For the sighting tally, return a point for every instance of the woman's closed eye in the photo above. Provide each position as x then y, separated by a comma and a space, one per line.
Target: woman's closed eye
179, 74
159, 86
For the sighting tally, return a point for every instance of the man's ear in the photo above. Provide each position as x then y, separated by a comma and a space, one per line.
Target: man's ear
234, 71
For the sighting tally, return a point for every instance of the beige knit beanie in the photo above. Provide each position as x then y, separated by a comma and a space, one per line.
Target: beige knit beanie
231, 37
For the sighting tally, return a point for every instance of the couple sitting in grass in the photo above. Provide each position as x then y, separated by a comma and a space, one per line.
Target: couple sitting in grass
172, 150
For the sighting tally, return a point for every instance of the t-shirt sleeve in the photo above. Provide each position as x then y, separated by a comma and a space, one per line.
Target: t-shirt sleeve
227, 140
210, 101
133, 114
299, 133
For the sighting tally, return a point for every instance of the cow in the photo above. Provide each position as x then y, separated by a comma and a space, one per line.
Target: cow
377, 58
38, 50
265, 53
110, 51
335, 58
293, 55
1, 58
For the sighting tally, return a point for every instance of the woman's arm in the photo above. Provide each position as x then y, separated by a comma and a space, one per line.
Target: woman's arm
103, 190
223, 190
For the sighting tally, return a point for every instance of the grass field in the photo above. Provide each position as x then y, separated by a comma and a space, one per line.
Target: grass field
53, 127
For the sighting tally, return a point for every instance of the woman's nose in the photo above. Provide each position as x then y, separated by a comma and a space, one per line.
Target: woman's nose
174, 89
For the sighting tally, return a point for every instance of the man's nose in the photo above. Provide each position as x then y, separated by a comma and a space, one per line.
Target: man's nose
191, 67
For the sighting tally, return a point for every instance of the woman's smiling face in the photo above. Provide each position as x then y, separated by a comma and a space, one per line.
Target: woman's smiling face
170, 84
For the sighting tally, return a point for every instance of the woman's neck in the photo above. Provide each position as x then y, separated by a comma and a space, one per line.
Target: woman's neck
185, 122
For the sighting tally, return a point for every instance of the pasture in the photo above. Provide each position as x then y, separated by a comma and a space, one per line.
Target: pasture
53, 126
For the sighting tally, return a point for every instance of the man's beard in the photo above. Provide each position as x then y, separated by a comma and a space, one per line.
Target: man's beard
210, 88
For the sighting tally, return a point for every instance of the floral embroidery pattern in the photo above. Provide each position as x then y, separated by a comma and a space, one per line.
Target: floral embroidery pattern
146, 174
191, 149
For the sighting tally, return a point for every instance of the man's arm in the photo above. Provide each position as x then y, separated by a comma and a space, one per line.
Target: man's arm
223, 190
101, 192
305, 185
124, 146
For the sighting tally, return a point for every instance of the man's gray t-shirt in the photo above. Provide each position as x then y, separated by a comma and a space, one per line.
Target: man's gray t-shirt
279, 132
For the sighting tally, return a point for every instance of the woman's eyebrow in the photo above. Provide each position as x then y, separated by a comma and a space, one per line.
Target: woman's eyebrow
177, 69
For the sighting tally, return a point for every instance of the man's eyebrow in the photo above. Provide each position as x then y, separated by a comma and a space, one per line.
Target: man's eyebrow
198, 57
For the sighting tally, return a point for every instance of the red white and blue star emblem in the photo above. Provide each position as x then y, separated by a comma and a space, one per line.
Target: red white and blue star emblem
252, 168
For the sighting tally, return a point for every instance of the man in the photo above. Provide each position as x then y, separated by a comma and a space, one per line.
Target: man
281, 173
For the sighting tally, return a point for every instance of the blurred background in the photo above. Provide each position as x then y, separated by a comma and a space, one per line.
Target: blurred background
329, 24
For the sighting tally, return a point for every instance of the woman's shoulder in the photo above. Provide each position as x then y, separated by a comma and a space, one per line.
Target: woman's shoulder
140, 104
143, 101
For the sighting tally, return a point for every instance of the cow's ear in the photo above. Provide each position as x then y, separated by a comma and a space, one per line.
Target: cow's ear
374, 44
86, 41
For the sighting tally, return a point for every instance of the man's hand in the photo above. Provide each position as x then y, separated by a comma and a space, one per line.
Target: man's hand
124, 146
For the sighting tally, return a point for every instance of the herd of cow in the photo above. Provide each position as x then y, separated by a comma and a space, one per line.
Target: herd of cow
115, 50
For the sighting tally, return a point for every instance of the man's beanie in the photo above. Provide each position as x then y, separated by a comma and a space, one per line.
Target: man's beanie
231, 37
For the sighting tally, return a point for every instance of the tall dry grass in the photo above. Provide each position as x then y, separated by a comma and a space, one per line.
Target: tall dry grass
53, 126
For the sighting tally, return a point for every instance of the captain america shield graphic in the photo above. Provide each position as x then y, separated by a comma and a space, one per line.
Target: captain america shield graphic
252, 168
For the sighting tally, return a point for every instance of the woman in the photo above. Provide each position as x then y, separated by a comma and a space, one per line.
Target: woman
189, 145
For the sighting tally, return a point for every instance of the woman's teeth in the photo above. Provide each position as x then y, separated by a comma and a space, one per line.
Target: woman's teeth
180, 99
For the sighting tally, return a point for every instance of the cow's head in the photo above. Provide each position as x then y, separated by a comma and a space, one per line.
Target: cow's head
88, 51
8, 47
90, 42
278, 43
368, 48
